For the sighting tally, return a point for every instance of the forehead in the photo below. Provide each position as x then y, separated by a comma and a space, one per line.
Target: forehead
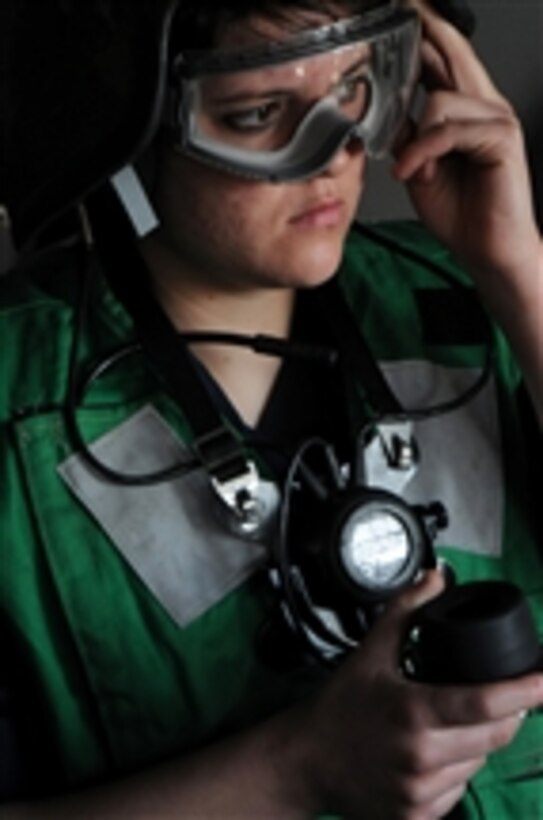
310, 76
256, 29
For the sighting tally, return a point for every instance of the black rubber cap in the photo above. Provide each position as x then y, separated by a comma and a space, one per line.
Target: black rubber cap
473, 633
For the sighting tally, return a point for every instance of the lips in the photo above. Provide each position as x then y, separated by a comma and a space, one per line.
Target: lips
322, 214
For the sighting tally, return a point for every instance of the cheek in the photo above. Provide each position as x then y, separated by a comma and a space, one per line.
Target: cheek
201, 215
241, 230
223, 229
235, 222
250, 233
241, 216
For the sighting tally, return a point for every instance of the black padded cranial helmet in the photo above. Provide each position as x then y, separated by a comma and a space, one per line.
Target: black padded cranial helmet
80, 95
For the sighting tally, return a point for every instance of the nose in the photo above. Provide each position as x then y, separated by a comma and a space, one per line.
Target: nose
343, 158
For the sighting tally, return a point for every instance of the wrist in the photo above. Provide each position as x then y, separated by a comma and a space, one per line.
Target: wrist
296, 754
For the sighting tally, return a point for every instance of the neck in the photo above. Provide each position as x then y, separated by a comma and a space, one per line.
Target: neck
193, 305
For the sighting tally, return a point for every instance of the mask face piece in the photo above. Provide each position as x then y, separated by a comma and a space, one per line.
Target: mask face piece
281, 111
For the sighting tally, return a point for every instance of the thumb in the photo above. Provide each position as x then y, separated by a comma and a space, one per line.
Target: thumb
388, 635
430, 584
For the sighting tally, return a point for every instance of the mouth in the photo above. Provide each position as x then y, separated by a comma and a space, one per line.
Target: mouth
324, 214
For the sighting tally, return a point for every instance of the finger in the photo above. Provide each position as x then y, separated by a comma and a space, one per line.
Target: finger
453, 746
387, 637
441, 781
440, 108
463, 66
434, 69
427, 586
486, 703
482, 141
443, 105
446, 802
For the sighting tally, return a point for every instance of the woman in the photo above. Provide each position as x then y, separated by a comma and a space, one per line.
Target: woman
153, 707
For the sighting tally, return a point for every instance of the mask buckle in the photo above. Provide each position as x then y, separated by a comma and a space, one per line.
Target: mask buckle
234, 479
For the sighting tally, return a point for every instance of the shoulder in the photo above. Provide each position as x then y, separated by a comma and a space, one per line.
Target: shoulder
399, 274
43, 281
38, 310
35, 318
412, 299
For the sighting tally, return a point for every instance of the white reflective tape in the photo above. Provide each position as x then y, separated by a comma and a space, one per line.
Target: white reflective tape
460, 454
135, 201
171, 534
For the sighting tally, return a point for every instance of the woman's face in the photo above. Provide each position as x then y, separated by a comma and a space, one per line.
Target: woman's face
238, 234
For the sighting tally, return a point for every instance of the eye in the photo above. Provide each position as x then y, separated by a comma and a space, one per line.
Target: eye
352, 88
256, 118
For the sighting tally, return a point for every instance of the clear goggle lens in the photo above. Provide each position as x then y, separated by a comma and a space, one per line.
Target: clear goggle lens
261, 110
285, 119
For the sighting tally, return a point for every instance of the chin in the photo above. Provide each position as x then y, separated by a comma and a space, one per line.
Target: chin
316, 260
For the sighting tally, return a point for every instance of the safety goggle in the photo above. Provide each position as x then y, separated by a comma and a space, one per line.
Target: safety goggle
281, 111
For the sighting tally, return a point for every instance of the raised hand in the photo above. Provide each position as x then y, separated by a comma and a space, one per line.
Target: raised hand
464, 163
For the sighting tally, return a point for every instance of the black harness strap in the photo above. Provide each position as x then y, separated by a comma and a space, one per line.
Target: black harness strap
355, 354
164, 348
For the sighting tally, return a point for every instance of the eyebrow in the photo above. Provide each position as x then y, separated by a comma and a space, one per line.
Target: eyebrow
253, 96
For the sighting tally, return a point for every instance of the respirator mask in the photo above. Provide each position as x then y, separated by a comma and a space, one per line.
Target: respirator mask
345, 549
280, 111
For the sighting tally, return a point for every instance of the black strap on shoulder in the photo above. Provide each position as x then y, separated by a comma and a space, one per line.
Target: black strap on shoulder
355, 354
164, 348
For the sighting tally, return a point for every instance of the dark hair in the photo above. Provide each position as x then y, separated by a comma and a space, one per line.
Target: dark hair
199, 23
